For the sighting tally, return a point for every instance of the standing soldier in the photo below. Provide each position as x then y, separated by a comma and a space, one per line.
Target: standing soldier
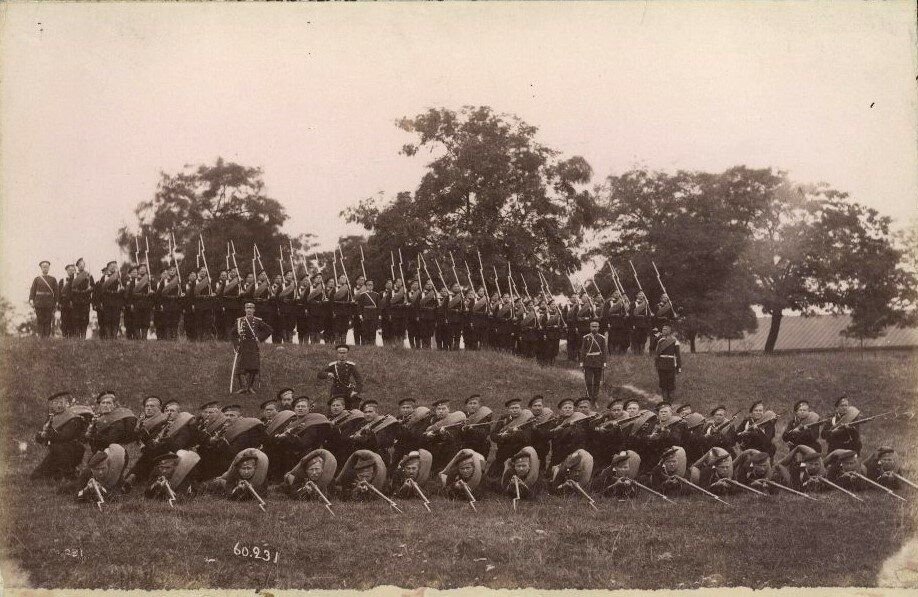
476, 319
130, 330
275, 317
641, 320
428, 306
188, 302
346, 380
385, 312
140, 291
494, 325
261, 297
342, 310
593, 356
411, 321
356, 322
302, 310
454, 315
317, 309
81, 298
220, 330
503, 324
617, 319
666, 314
667, 361
170, 295
43, 297
570, 324
586, 313
287, 307
204, 306
368, 303
529, 329
247, 333
231, 294
65, 293
399, 309
553, 330
110, 301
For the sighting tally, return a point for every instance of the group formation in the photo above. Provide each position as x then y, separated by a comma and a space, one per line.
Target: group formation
306, 303
290, 451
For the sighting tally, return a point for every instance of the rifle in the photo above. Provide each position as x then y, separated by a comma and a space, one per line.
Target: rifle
746, 487
649, 490
468, 492
203, 254
663, 288
344, 272
417, 490
789, 490
178, 270
227, 255
859, 421
453, 261
363, 269
685, 481
296, 284
440, 272
372, 488
840, 488
251, 490
481, 271
146, 256
256, 254
335, 268
392, 266
137, 250
634, 271
322, 498
516, 484
402, 272
576, 485
468, 273
496, 281
426, 271
906, 481
165, 483
97, 489
880, 487
235, 263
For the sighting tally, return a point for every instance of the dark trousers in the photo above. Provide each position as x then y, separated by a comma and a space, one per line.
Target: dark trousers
61, 460
44, 317
80, 320
667, 381
573, 344
638, 340
368, 331
67, 322
397, 331
111, 321
593, 378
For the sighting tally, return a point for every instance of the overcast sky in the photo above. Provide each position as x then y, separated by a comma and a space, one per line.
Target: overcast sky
98, 98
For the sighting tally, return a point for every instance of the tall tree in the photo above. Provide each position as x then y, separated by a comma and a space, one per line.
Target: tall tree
220, 202
491, 187
815, 249
695, 227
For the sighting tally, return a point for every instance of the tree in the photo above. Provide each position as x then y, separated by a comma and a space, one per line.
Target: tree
815, 249
695, 227
221, 202
7, 314
490, 187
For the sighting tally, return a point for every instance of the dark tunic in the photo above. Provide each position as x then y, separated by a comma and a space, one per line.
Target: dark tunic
246, 335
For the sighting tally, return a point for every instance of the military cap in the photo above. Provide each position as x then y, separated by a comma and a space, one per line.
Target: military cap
153, 397
364, 461
534, 398
335, 398
44, 261
582, 400
592, 321
519, 455
512, 401
133, 268
345, 346
318, 456
103, 393
368, 401
840, 456
58, 395
693, 420
281, 391
211, 404
231, 407
564, 401
758, 457
97, 459
723, 457
884, 450
840, 398
301, 399
247, 303
265, 404
441, 401
661, 405
171, 402
810, 456
166, 456
670, 451
684, 406
406, 401
110, 263
620, 458
717, 408
473, 397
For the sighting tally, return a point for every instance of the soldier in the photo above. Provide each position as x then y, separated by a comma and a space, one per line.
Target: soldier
662, 477
81, 298
454, 316
570, 321
269, 409
65, 298
540, 438
838, 432
245, 479
231, 294
803, 430
302, 316
617, 479
844, 469
368, 304
668, 431
411, 320
586, 314
356, 322
275, 317
529, 330
173, 476
503, 324
667, 361
344, 423
616, 316
411, 476
753, 469
221, 331
520, 478
427, 307
607, 439
385, 313
342, 309
346, 380
130, 331
461, 478
188, 302
593, 356
570, 434
287, 307
262, 298
362, 469
306, 431
509, 436
477, 315
714, 472
142, 292
641, 320
169, 295
43, 297
718, 431
438, 438
311, 478
883, 467
247, 333
553, 328
62, 433
757, 431
317, 309
285, 398
399, 309
475, 438
205, 303
328, 325
101, 482
112, 424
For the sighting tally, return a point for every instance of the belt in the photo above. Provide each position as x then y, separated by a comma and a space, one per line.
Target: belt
666, 356
43, 292
591, 354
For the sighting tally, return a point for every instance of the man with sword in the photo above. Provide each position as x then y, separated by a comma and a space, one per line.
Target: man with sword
247, 333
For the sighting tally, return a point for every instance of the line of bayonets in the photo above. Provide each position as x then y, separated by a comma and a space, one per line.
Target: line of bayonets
338, 254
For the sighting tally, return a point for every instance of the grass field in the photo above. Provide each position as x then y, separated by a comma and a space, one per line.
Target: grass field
552, 544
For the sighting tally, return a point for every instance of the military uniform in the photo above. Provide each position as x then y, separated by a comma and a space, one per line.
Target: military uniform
454, 317
342, 312
399, 309
593, 356
246, 336
573, 333
668, 362
231, 298
369, 303
205, 305
288, 310
169, 296
65, 286
110, 300
62, 434
641, 322
346, 382
317, 312
616, 317
554, 331
44, 296
140, 293
428, 307
81, 298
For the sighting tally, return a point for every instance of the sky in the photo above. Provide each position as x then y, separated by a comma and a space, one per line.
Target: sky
97, 99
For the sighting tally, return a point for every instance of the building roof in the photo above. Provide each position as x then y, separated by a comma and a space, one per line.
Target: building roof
819, 332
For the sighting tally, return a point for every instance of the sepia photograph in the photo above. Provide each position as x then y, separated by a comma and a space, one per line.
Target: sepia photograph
410, 296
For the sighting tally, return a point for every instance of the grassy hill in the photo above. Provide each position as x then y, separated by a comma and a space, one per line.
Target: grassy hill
552, 544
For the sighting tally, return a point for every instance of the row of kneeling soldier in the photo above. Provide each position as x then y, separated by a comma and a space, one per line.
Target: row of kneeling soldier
467, 454
317, 309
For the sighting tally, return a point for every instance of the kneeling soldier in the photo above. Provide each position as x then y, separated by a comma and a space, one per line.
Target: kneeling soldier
714, 472
172, 476
102, 479
245, 480
363, 470
462, 477
411, 476
311, 478
521, 475
844, 469
616, 480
